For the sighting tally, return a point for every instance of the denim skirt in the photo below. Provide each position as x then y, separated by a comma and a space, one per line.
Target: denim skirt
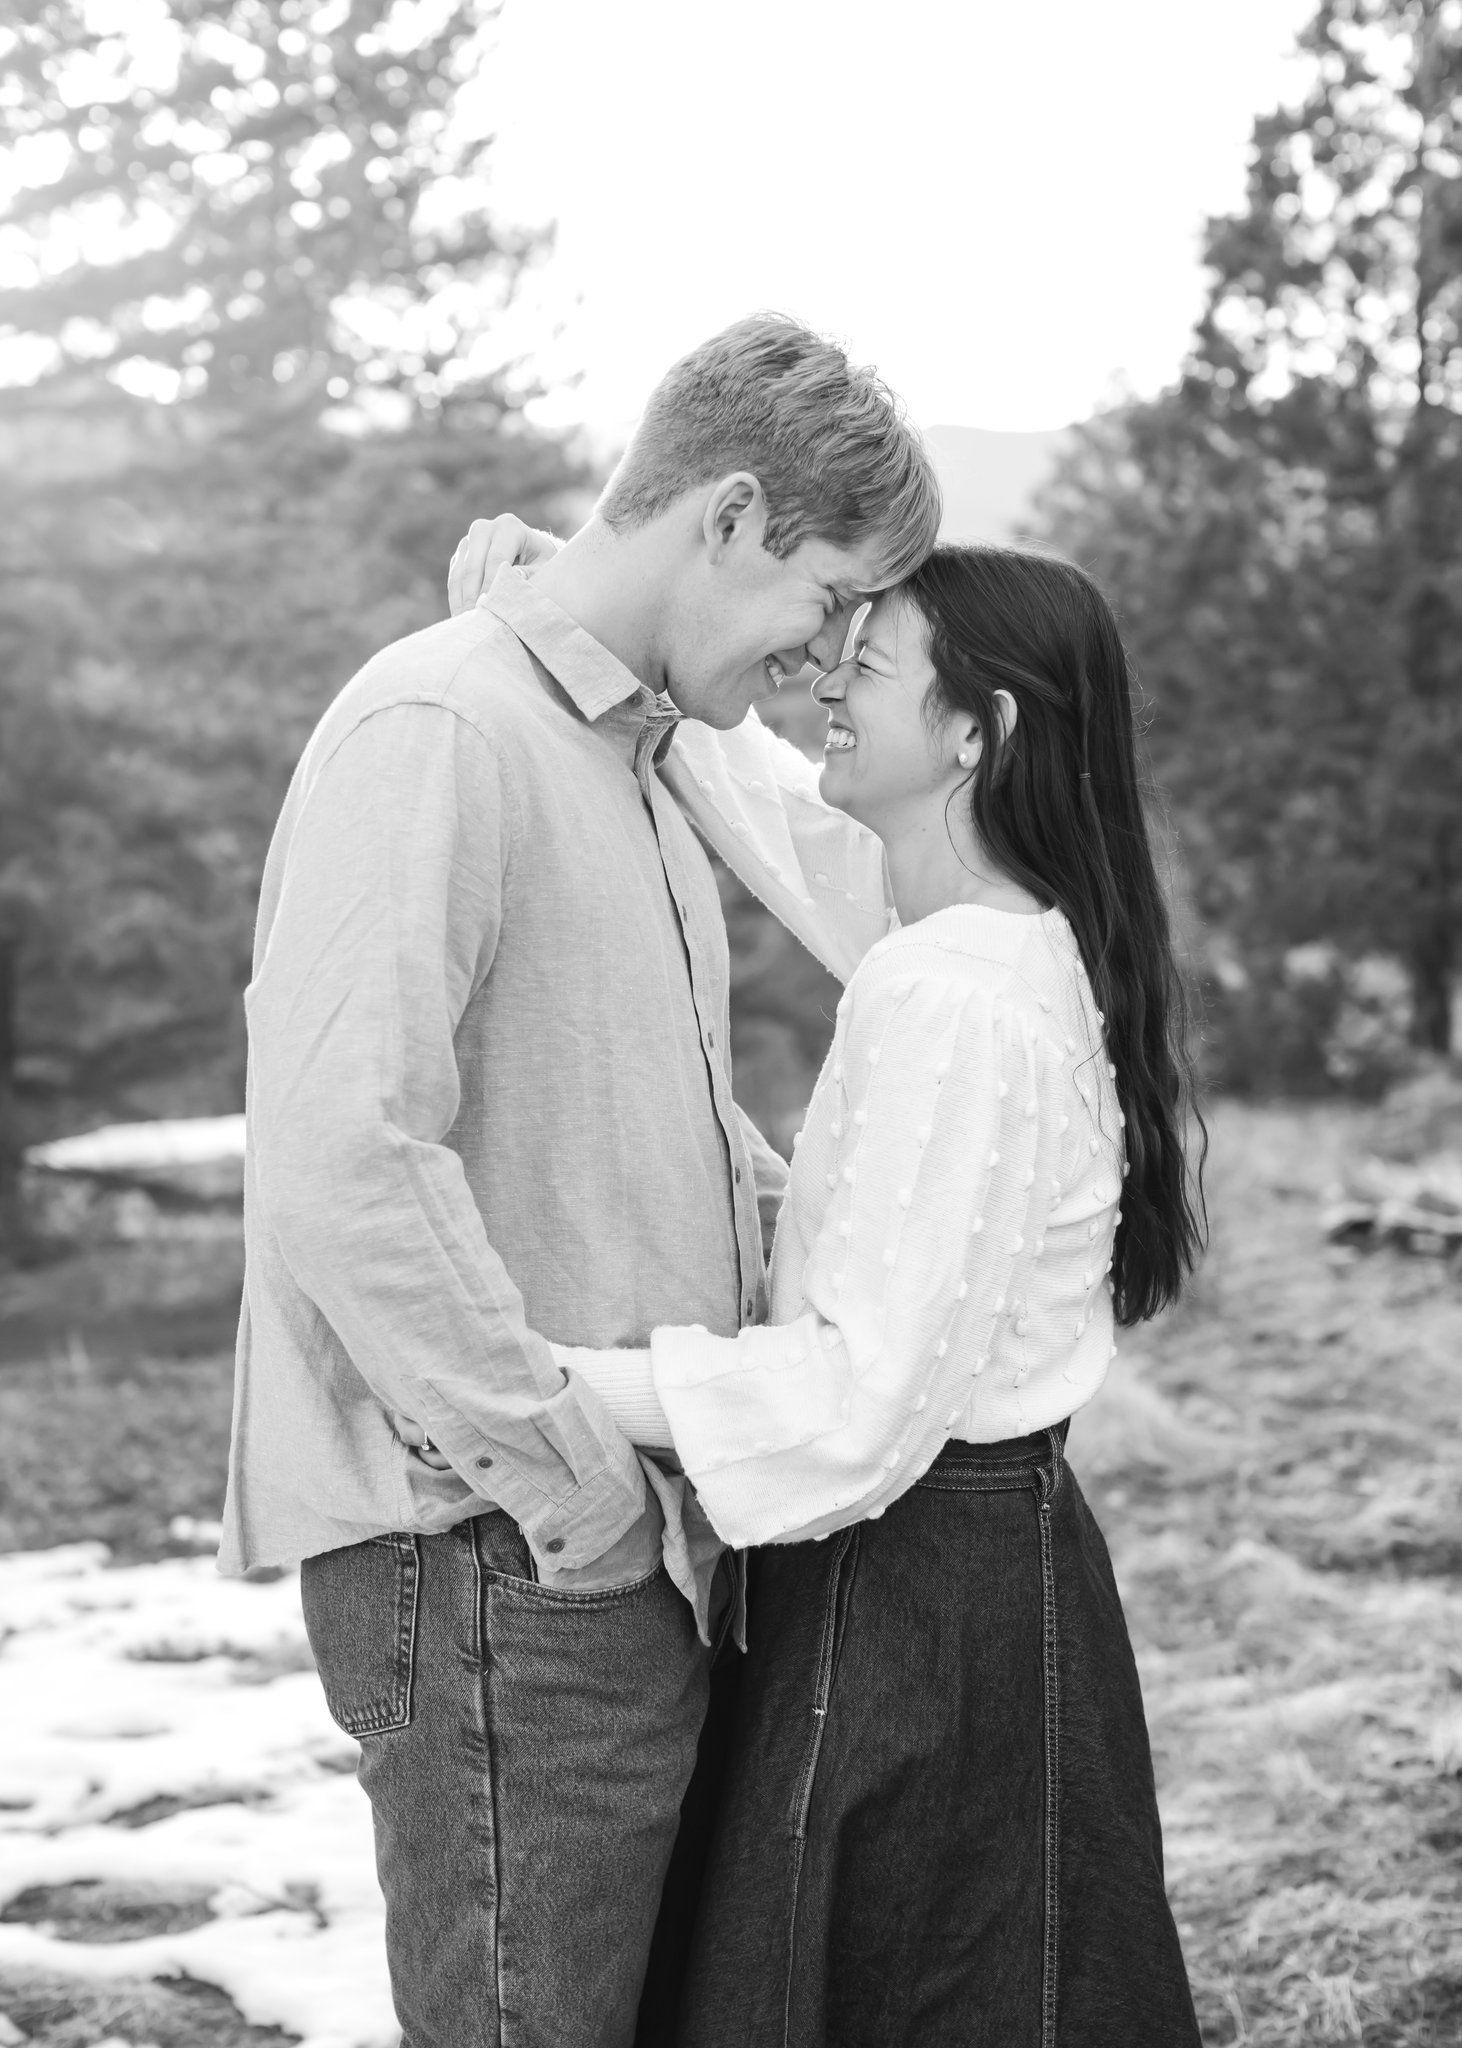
938, 1827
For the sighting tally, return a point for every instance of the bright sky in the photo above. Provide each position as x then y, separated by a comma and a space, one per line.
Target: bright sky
998, 204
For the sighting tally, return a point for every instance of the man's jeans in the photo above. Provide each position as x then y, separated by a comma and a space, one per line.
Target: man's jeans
525, 1752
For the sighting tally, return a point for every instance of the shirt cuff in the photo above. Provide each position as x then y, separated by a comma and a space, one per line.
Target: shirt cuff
570, 1507
625, 1384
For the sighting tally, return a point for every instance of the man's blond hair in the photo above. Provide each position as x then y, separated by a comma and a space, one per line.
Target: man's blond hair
828, 442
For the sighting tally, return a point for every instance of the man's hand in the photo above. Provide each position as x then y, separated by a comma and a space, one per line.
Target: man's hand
487, 546
415, 1438
633, 1557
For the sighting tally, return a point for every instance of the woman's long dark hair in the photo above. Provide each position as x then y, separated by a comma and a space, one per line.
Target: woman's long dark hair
1058, 807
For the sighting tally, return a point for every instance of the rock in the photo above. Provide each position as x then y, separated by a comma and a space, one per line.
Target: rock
1421, 1116
1415, 1206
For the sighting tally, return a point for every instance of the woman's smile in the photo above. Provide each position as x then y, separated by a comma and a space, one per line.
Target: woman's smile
841, 739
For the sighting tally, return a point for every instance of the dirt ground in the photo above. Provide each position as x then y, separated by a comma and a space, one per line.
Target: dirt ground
1277, 1468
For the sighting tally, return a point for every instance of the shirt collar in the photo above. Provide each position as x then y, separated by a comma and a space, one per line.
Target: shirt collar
587, 672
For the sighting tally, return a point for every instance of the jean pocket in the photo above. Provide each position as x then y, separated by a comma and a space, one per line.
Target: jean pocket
584, 1596
504, 1558
360, 1616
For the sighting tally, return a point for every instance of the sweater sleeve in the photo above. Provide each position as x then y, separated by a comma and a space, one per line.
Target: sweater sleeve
938, 1190
622, 1379
755, 797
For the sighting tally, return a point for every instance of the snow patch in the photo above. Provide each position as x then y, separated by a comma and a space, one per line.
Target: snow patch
161, 1683
130, 1148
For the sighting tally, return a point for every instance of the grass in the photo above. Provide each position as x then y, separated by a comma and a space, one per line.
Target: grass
116, 1367
1278, 1468
59, 2012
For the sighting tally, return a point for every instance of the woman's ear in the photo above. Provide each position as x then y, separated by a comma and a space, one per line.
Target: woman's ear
967, 742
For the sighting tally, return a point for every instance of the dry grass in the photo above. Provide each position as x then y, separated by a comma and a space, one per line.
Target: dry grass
116, 1367
1281, 1487
59, 2012
1278, 1469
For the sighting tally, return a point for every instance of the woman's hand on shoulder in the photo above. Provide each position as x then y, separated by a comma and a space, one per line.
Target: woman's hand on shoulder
487, 546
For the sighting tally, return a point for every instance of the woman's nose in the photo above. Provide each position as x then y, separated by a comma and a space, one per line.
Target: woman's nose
831, 687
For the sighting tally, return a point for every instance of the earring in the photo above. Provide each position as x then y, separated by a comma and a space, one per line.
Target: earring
963, 759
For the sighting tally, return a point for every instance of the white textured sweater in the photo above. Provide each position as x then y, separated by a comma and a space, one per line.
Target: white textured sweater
941, 1261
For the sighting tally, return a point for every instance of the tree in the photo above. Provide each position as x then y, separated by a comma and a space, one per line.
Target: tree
262, 403
1284, 531
267, 205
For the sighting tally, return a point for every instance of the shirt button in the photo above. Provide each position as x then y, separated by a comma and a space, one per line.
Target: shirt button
554, 1545
710, 1038
746, 1305
483, 1463
738, 1176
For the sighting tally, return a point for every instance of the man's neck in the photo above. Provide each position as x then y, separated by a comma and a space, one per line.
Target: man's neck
607, 585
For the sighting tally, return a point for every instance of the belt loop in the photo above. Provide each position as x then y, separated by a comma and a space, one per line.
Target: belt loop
1056, 1436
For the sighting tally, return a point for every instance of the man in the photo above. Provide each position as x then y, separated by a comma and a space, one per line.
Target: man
489, 1107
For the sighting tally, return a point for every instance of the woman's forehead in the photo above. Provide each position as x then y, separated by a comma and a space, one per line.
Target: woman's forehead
890, 626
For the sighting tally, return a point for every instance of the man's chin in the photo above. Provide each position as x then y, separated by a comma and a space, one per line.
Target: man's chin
722, 709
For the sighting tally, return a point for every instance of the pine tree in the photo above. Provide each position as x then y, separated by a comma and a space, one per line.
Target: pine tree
270, 205
1285, 529
248, 227
1335, 322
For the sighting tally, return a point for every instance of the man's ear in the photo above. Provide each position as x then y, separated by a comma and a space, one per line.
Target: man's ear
735, 509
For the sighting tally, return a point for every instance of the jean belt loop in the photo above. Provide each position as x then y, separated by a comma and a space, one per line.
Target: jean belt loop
1056, 1437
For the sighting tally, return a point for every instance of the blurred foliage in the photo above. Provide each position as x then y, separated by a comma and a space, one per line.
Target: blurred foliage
1284, 534
271, 218
168, 640
268, 204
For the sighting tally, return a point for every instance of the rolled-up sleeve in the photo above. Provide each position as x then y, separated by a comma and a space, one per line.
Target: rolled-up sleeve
387, 922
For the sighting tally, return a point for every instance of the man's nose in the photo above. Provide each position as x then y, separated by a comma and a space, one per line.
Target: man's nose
828, 647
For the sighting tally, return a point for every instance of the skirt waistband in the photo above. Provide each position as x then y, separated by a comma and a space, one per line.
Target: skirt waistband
1010, 1450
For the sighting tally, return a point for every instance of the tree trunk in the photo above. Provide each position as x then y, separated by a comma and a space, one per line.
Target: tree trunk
15, 1236
1427, 490
1431, 992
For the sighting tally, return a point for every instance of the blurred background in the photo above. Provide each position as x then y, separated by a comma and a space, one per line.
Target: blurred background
288, 294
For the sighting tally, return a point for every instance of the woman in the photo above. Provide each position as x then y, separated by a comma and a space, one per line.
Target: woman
939, 1824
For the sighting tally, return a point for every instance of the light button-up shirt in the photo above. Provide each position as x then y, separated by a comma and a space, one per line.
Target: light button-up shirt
489, 1098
